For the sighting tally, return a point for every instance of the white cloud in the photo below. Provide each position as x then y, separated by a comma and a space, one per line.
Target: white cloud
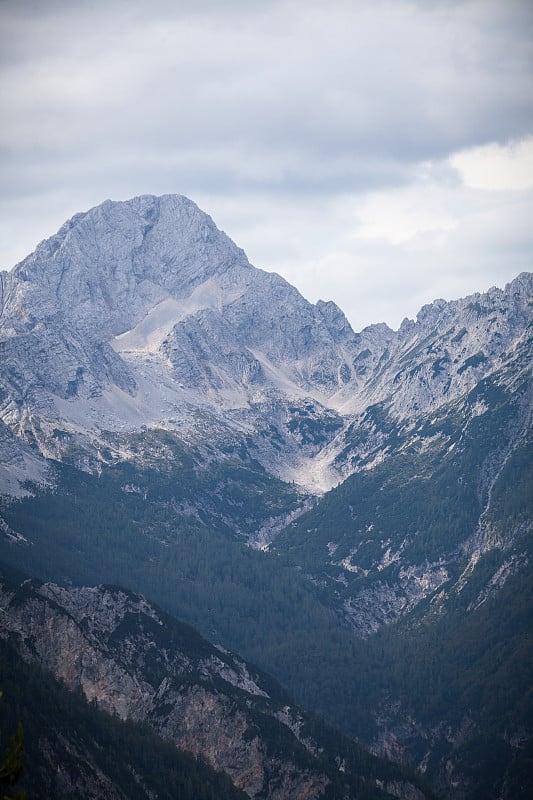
496, 167
400, 215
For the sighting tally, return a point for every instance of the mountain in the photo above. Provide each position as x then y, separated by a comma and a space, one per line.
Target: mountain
351, 511
430, 496
73, 750
139, 664
143, 313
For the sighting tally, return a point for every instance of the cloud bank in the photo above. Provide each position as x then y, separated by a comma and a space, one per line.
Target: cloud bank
378, 153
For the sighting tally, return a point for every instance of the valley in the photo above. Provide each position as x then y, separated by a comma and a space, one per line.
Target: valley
351, 512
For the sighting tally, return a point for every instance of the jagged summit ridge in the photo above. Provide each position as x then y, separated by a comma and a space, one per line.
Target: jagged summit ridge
140, 313
110, 265
149, 293
120, 259
108, 268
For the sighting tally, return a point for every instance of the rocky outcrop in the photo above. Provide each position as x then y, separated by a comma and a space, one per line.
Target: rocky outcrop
140, 664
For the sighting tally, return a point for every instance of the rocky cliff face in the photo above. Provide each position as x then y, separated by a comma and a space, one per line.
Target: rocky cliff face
140, 664
134, 313
146, 277
447, 350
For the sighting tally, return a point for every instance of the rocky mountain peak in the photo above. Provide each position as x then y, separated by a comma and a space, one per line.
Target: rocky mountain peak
107, 267
334, 317
150, 292
136, 312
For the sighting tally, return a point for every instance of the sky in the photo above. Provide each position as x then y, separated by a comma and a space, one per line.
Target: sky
378, 153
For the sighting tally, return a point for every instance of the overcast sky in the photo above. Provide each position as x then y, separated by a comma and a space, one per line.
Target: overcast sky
374, 152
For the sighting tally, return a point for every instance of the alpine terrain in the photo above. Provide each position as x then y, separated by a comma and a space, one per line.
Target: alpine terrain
351, 512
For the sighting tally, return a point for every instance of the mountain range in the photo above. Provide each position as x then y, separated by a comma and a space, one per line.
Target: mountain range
350, 511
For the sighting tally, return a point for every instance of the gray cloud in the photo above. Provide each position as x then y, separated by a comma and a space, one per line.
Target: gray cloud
250, 104
358, 80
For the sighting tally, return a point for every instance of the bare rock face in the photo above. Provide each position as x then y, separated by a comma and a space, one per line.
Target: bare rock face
132, 274
134, 663
137, 311
451, 347
140, 664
